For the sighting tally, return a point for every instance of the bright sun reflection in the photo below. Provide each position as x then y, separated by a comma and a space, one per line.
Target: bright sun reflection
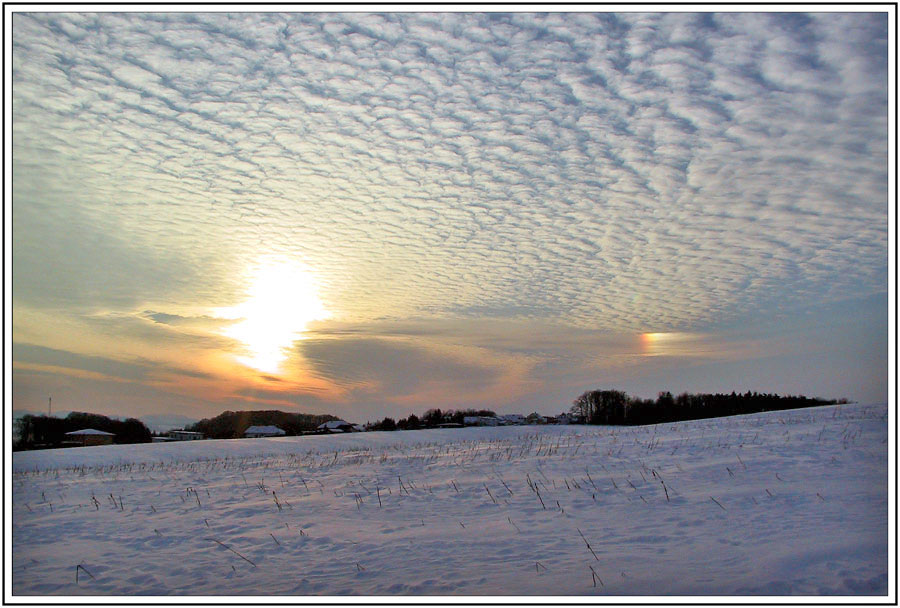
283, 300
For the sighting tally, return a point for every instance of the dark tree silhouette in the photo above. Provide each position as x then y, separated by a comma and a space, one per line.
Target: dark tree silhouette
388, 424
432, 417
616, 407
231, 425
50, 432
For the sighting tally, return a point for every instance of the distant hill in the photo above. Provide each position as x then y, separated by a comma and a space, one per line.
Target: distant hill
16, 414
161, 423
231, 425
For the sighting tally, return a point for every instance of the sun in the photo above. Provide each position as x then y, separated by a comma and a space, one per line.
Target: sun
282, 300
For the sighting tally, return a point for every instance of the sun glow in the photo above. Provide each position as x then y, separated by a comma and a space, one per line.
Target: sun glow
654, 337
671, 344
282, 300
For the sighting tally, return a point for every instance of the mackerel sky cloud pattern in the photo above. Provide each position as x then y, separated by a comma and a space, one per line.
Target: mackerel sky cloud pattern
629, 172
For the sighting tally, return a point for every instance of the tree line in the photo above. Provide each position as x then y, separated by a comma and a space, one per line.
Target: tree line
429, 420
231, 425
37, 432
617, 407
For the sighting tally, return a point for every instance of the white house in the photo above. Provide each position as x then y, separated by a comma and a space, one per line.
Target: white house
568, 418
264, 431
336, 426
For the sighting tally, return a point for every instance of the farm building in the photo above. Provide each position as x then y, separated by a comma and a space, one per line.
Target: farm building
264, 431
513, 419
481, 421
86, 437
339, 426
181, 435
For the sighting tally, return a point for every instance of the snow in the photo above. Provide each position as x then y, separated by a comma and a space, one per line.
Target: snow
91, 432
780, 503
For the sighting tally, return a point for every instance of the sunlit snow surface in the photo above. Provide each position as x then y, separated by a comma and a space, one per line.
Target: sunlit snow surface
782, 503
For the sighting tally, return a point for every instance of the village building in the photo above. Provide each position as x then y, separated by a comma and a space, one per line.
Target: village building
481, 421
535, 418
88, 437
568, 418
339, 426
182, 435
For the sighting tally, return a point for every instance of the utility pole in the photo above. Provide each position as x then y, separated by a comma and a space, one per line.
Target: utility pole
50, 406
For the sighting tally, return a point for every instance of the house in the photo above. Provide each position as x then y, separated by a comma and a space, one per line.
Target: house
264, 431
481, 421
568, 418
535, 418
182, 435
337, 426
513, 419
86, 437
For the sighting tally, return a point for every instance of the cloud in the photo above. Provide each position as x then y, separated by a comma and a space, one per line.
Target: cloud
500, 363
137, 369
453, 138
621, 173
417, 371
30, 353
203, 321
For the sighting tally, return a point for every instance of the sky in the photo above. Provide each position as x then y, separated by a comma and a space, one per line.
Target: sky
375, 214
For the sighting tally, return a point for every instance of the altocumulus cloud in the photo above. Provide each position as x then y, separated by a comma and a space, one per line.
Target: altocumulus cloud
623, 172
573, 162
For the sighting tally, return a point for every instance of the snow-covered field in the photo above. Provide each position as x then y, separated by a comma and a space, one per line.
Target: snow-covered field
782, 503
